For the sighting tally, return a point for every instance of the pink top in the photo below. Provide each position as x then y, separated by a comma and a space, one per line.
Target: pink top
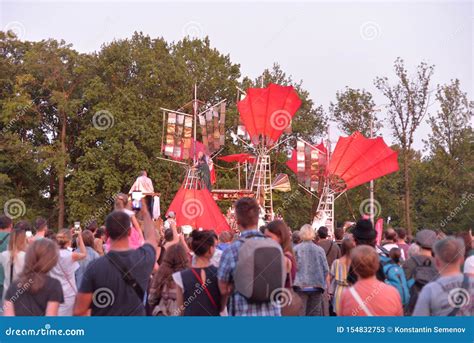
135, 240
381, 299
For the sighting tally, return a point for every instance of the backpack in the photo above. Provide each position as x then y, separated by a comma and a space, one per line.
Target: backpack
423, 273
260, 269
395, 276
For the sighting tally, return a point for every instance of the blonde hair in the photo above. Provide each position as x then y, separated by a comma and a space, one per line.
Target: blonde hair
307, 233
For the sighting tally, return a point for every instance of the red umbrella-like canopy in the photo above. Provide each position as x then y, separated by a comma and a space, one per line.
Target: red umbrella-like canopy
357, 160
268, 111
197, 208
241, 158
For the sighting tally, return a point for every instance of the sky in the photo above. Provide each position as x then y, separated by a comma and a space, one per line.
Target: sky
326, 44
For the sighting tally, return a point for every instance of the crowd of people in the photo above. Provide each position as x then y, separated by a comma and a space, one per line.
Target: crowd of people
135, 266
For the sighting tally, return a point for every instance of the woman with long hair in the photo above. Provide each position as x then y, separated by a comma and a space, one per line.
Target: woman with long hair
35, 293
66, 268
198, 290
13, 259
162, 297
337, 277
279, 232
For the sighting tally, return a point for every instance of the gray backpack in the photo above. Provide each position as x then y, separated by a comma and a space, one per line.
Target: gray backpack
259, 270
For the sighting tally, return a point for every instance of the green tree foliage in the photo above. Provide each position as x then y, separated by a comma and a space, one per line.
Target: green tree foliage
354, 110
408, 104
76, 129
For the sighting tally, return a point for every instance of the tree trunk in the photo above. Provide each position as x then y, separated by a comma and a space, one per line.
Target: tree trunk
406, 175
61, 174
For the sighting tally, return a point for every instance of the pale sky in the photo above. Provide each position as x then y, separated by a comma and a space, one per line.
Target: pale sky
328, 45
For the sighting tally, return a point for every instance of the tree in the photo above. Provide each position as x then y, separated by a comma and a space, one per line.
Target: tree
450, 164
353, 111
408, 104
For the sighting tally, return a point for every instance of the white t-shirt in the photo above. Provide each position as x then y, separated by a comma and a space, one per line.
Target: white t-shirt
64, 271
390, 246
17, 267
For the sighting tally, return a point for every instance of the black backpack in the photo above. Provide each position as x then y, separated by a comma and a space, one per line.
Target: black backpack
423, 273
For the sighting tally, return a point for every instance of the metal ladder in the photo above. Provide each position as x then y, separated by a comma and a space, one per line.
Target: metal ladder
262, 183
326, 206
192, 180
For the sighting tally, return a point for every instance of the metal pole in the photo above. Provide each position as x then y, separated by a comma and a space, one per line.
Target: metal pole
238, 166
371, 187
195, 123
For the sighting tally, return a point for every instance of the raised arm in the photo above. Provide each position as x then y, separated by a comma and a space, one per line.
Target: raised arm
148, 227
82, 253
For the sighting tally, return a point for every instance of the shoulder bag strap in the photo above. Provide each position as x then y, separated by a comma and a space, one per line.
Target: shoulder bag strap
204, 286
359, 301
126, 275
465, 286
4, 238
330, 248
67, 277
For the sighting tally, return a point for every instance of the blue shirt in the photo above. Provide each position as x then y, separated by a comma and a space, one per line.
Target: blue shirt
312, 265
238, 304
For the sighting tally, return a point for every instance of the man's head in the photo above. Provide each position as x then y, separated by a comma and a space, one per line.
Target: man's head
225, 237
364, 233
117, 225
449, 252
92, 226
246, 212
295, 237
171, 214
338, 233
401, 233
426, 239
390, 235
323, 232
41, 224
143, 173
6, 223
365, 261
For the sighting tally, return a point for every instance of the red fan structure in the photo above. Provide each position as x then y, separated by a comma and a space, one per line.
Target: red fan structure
266, 113
355, 161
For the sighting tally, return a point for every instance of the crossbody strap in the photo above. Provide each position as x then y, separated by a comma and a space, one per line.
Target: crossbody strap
67, 277
4, 238
330, 248
126, 275
204, 286
465, 286
360, 302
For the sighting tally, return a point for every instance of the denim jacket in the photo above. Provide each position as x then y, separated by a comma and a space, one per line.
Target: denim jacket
312, 265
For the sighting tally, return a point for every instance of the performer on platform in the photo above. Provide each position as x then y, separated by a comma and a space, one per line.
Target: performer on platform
144, 184
203, 170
